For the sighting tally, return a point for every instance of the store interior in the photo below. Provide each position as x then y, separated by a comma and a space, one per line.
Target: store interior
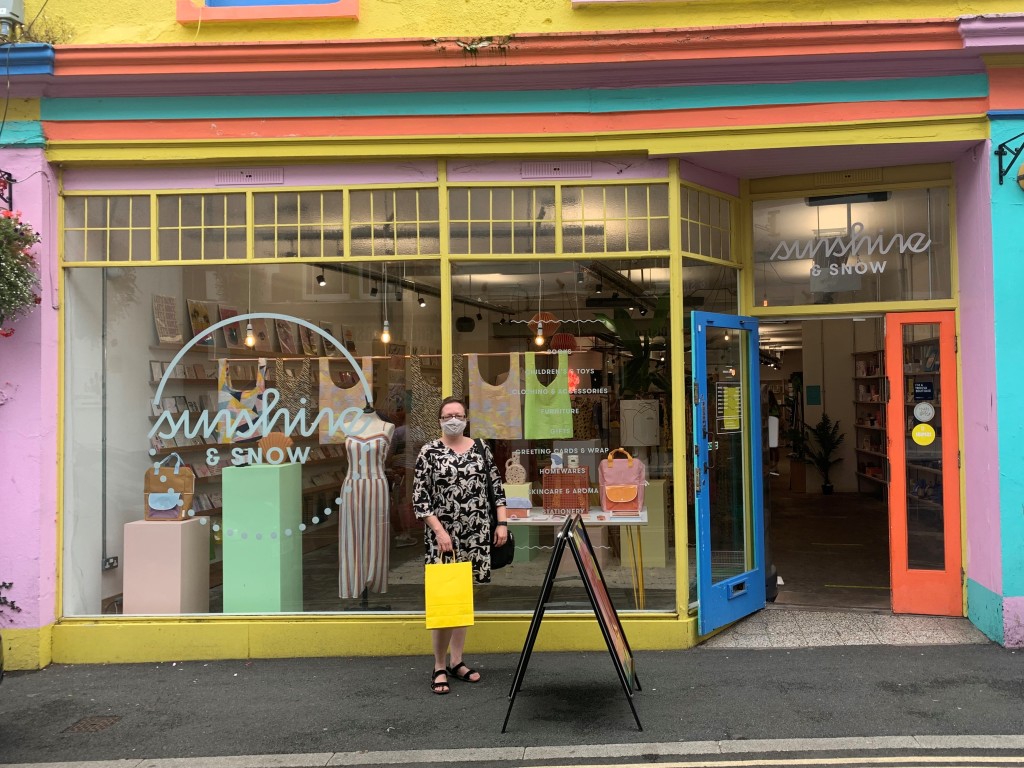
829, 551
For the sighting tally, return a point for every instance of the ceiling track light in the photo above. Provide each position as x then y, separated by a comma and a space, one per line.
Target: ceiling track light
599, 288
421, 301
321, 280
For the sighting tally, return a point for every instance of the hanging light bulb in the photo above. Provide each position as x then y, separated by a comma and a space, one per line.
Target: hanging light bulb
726, 335
385, 335
539, 338
250, 337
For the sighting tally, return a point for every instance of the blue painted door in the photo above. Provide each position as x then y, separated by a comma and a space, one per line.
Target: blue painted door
727, 468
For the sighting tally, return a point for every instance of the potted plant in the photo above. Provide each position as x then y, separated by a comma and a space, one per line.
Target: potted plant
19, 279
825, 441
640, 340
643, 344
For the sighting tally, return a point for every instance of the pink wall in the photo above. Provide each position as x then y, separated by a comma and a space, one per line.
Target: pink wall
28, 414
977, 351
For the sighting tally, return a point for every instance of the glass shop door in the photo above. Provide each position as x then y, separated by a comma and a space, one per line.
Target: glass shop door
727, 468
924, 488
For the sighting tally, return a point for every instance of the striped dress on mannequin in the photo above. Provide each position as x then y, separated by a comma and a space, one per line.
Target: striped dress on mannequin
364, 535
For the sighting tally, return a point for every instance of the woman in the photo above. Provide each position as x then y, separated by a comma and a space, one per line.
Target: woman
450, 496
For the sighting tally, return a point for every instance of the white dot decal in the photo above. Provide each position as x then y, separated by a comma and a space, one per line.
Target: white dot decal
302, 526
216, 527
163, 478
287, 531
316, 520
191, 513
152, 451
245, 535
202, 521
259, 537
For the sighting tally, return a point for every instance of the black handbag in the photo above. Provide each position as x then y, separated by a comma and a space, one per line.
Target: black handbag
503, 555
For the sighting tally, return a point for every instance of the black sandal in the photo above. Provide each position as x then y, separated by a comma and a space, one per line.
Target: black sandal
439, 688
465, 677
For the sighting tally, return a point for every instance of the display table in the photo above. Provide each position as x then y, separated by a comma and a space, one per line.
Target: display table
262, 540
166, 567
597, 522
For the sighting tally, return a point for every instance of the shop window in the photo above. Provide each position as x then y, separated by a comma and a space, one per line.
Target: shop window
388, 222
107, 228
303, 224
561, 377
706, 224
504, 220
881, 245
141, 393
203, 227
620, 218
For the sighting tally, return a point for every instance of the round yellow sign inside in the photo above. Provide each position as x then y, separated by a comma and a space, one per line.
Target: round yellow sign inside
923, 434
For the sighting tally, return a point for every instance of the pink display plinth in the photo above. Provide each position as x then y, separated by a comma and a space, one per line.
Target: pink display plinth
166, 567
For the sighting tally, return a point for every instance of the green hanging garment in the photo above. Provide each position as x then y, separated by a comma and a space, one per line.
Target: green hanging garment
548, 410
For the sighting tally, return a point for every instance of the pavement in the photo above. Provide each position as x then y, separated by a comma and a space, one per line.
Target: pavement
845, 700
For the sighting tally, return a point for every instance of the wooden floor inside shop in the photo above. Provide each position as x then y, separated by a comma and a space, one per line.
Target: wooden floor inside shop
829, 551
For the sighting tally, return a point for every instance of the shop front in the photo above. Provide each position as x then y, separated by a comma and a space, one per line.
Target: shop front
223, 341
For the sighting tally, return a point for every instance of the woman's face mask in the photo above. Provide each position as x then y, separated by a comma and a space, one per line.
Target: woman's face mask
453, 425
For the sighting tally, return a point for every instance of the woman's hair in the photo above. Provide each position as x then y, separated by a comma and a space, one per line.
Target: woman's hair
449, 401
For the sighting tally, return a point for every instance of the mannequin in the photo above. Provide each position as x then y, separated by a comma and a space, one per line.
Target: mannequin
363, 525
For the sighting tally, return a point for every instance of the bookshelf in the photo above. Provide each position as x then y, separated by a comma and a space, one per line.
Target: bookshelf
869, 416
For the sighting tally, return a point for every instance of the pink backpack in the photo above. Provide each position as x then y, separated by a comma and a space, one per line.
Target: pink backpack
622, 482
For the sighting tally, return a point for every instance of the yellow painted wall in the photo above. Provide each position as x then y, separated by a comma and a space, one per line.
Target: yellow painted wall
135, 21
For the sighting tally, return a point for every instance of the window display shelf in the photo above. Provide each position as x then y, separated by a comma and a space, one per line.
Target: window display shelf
873, 478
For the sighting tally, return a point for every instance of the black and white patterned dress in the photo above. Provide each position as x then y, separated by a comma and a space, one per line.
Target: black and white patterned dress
451, 485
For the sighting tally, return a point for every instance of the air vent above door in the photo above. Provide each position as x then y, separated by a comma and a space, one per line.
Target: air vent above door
840, 178
572, 169
249, 177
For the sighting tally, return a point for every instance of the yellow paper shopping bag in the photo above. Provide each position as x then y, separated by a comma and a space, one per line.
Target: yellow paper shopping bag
449, 594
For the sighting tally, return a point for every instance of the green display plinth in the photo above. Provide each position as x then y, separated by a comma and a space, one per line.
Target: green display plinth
262, 540
527, 543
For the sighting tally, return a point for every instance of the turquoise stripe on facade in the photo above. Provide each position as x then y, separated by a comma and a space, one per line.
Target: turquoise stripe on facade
1008, 276
985, 610
22, 133
515, 102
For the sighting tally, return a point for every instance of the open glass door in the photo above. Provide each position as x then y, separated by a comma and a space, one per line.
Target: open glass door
727, 468
924, 490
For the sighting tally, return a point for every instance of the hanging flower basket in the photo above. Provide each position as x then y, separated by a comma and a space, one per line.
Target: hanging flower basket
19, 276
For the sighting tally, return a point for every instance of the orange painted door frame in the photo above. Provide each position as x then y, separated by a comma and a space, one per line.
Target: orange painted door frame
924, 478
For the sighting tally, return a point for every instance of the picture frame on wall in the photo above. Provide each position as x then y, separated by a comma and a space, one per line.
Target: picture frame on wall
328, 327
234, 334
262, 333
165, 317
309, 340
285, 336
199, 320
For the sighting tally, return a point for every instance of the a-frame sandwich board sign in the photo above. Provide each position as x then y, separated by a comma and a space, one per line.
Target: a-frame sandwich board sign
574, 536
